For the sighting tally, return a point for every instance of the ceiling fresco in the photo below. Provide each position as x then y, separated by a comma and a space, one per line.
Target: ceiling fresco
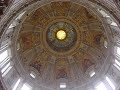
69, 59
55, 42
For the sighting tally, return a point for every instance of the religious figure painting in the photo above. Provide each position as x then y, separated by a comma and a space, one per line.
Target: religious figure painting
61, 73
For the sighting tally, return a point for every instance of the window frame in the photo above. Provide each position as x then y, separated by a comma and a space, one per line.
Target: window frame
26, 84
115, 51
99, 86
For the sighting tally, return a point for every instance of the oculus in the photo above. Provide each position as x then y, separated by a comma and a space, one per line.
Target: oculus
61, 34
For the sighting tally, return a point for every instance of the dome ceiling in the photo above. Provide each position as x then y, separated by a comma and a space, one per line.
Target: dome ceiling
62, 42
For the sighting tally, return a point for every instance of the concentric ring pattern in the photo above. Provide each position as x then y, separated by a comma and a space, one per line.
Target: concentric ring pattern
65, 44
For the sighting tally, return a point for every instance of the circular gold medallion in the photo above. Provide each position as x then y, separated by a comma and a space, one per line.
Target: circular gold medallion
61, 35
